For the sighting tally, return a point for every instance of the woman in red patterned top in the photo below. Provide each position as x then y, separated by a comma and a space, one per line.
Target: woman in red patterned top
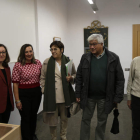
27, 91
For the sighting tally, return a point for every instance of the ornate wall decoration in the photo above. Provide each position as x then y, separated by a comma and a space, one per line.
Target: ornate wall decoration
96, 24
95, 28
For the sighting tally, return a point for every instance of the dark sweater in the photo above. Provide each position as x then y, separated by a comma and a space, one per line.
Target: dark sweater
98, 76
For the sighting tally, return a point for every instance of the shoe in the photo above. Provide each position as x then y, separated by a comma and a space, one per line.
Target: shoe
35, 137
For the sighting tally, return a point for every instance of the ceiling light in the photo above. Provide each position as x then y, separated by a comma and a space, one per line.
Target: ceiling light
90, 1
94, 7
94, 12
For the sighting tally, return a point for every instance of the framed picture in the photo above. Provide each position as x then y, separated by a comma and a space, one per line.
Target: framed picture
95, 28
56, 39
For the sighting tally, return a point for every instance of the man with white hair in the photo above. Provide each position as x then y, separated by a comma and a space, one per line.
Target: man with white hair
99, 80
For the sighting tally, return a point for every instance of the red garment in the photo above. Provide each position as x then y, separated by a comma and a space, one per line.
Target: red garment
4, 90
28, 75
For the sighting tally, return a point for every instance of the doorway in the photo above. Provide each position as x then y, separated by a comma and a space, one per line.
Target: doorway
136, 40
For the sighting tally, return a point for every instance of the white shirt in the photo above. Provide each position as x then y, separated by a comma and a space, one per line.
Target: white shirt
59, 66
133, 85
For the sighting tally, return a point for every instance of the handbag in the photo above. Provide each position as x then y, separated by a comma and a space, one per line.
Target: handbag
74, 108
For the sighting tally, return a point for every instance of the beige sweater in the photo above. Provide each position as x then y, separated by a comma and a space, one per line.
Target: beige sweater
133, 85
58, 80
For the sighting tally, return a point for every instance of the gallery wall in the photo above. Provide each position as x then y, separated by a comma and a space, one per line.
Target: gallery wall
52, 22
17, 25
118, 15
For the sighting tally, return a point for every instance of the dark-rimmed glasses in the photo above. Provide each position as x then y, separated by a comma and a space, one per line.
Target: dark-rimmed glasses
94, 44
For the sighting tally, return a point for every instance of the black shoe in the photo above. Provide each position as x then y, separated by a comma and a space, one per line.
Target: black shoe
35, 137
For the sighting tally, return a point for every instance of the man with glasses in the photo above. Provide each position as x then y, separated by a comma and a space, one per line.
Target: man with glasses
99, 81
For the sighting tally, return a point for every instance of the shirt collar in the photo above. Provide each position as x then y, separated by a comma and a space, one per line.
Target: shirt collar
98, 57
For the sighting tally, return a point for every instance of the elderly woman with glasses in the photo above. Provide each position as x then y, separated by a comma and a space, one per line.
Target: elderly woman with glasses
6, 95
27, 91
57, 89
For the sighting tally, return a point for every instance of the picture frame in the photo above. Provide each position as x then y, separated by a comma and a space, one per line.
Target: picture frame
95, 28
56, 39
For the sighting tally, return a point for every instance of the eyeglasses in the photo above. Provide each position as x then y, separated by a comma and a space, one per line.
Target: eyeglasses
3, 53
94, 44
55, 49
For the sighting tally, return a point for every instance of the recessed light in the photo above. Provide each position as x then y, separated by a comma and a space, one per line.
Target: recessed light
90, 1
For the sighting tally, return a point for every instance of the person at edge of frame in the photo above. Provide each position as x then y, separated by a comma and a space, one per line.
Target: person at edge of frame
133, 96
6, 95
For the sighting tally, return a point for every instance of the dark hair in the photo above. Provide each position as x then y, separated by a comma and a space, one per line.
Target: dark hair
21, 57
7, 59
58, 44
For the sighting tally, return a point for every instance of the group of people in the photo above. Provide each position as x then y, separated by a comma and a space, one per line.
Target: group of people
99, 81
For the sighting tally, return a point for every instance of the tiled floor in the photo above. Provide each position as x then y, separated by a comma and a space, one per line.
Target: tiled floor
75, 121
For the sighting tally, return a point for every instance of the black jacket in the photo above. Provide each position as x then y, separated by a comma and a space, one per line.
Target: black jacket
115, 80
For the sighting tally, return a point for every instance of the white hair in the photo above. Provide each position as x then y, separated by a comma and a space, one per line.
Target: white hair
97, 37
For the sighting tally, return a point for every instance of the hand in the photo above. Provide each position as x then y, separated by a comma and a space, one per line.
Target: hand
115, 105
69, 78
78, 100
19, 106
129, 103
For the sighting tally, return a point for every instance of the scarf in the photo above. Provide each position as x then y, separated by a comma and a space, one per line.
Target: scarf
49, 104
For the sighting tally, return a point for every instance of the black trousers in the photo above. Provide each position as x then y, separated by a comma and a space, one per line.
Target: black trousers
135, 106
30, 99
4, 117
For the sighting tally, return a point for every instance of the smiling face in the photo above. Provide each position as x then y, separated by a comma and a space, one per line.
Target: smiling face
28, 54
2, 54
56, 52
95, 47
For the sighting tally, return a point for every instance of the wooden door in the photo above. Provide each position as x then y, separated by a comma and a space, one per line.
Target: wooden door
136, 40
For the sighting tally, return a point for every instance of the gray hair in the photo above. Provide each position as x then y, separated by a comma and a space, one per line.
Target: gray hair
97, 37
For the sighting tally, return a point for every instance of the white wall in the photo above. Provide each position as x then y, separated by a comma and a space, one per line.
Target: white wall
52, 22
17, 25
118, 15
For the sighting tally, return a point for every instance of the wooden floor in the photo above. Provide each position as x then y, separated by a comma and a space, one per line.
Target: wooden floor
75, 121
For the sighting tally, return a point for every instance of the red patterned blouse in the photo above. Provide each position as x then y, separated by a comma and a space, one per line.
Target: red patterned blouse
28, 75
